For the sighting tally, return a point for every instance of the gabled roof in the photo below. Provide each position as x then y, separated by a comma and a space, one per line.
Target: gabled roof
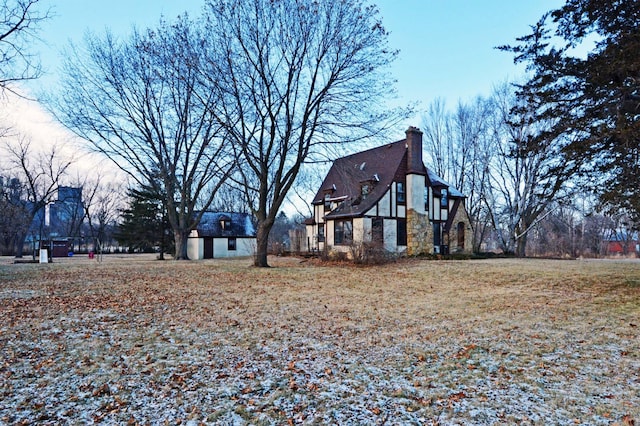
236, 225
378, 167
439, 182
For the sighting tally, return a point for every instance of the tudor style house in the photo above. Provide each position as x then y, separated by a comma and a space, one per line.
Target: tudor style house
221, 234
386, 194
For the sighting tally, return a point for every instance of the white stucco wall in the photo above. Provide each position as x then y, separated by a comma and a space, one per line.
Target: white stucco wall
244, 247
415, 193
384, 205
195, 246
390, 235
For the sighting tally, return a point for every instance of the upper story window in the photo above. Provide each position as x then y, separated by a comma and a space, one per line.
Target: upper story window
327, 202
225, 223
426, 198
401, 196
444, 198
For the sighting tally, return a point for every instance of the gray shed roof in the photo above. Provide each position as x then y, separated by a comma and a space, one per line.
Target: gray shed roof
236, 225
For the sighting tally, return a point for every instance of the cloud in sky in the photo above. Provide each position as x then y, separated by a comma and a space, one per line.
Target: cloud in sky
26, 118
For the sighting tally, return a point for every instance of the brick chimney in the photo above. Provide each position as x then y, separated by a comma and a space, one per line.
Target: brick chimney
414, 148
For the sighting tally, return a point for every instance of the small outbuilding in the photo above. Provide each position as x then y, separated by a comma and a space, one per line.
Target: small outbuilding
220, 235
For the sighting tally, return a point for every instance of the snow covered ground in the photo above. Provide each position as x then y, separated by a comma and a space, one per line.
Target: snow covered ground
414, 342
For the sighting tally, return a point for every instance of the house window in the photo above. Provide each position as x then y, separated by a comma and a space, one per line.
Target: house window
402, 232
400, 193
377, 230
342, 231
460, 230
231, 244
327, 202
444, 198
437, 235
365, 189
321, 232
225, 223
426, 198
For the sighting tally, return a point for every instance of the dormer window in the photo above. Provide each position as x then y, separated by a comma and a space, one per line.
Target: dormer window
365, 189
225, 223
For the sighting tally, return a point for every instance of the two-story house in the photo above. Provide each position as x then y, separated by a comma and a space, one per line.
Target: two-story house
387, 195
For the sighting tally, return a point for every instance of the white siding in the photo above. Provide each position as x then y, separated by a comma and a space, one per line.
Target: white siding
390, 235
358, 229
195, 246
244, 247
402, 211
415, 193
384, 205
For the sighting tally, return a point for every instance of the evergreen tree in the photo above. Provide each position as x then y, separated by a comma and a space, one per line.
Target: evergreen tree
144, 224
593, 100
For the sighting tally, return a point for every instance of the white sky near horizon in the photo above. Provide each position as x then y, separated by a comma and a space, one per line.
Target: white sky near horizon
447, 47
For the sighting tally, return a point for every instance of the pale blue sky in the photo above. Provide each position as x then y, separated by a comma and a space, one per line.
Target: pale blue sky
446, 46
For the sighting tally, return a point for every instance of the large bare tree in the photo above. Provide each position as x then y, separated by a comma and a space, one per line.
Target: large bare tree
19, 21
458, 149
141, 103
528, 173
38, 174
294, 77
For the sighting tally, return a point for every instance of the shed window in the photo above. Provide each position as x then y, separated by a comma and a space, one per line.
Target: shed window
231, 244
343, 232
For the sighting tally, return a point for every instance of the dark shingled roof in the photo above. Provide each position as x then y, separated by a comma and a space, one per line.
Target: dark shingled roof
240, 225
380, 167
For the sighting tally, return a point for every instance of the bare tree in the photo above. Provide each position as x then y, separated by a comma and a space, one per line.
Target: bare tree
141, 103
436, 125
294, 77
103, 198
458, 149
525, 179
39, 175
12, 217
19, 20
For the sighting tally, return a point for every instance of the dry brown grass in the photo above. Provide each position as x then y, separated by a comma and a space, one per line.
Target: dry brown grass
418, 342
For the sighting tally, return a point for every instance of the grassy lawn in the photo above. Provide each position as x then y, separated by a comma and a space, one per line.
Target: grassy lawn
414, 342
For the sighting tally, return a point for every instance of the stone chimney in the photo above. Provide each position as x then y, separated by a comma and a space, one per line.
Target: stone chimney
414, 154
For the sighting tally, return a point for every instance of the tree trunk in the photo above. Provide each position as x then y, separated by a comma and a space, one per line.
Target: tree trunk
180, 238
262, 245
19, 244
521, 245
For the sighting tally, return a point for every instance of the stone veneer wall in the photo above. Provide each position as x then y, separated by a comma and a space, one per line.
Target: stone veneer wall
461, 216
419, 234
